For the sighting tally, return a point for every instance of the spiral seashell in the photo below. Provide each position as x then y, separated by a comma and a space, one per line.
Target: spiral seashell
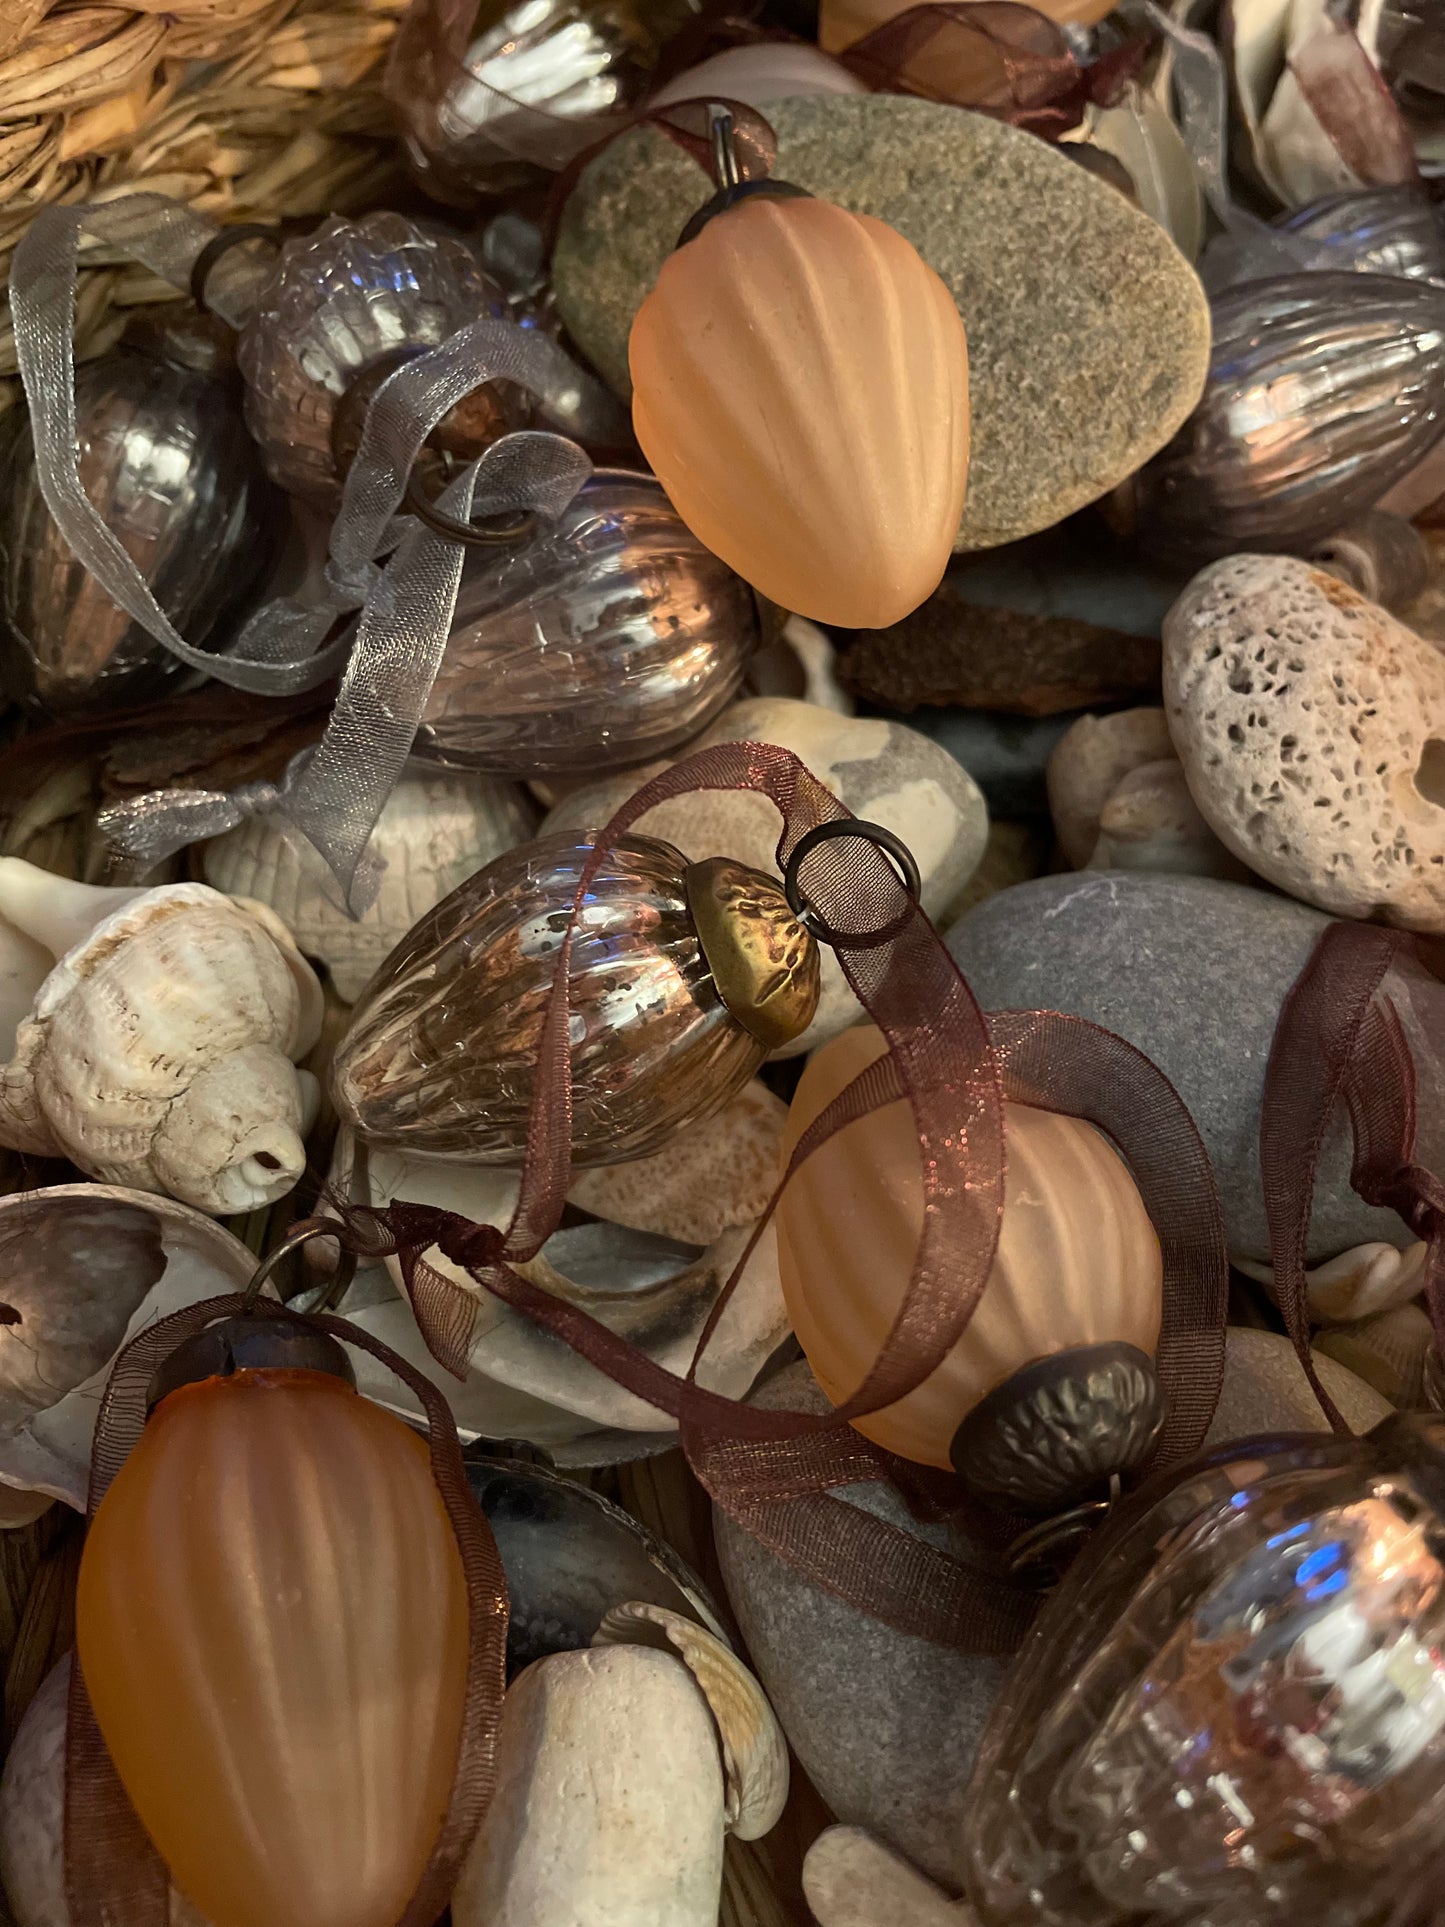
159, 1051
434, 832
755, 1754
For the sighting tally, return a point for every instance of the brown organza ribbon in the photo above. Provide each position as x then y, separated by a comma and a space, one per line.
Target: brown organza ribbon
1340, 1038
994, 57
776, 1472
113, 1875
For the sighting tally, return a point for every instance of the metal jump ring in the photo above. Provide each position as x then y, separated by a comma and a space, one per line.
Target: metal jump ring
475, 534
893, 847
222, 243
302, 1232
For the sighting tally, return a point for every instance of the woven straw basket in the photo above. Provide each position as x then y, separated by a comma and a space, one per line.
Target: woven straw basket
247, 110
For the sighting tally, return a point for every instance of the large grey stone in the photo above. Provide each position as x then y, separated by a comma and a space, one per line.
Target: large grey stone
1088, 332
1194, 971
885, 1726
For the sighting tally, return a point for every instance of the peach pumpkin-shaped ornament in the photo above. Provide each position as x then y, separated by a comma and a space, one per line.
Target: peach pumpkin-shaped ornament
272, 1623
800, 388
1051, 1388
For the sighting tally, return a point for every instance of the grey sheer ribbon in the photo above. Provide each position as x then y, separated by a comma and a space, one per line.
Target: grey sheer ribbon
336, 794
1249, 248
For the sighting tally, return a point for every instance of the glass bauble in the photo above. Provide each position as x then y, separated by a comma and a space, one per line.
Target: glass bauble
1324, 390
167, 462
350, 300
611, 639
1078, 1262
665, 1027
487, 92
272, 1624
1232, 1711
800, 387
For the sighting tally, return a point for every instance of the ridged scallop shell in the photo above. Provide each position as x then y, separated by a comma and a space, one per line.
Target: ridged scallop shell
1078, 1260
755, 1754
160, 1050
800, 388
340, 299
434, 832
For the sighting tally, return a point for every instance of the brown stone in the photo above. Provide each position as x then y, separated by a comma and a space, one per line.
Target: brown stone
960, 655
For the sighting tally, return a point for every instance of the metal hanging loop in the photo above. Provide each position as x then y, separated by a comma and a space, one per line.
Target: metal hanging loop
492, 532
301, 1233
883, 839
221, 244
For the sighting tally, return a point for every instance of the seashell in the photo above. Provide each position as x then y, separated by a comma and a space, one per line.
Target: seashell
771, 70
608, 1802
32, 1815
87, 1266
1087, 765
341, 300
1077, 1271
1359, 1283
1382, 556
1140, 133
655, 1290
433, 833
852, 1880
1311, 726
612, 637
1151, 822
439, 1059
800, 388
755, 1754
1324, 390
570, 1556
160, 1049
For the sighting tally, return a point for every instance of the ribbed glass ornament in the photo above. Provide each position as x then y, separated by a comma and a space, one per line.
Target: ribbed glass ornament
800, 387
272, 1625
1324, 390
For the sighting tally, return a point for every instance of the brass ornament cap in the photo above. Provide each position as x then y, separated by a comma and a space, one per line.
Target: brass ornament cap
763, 962
1056, 1430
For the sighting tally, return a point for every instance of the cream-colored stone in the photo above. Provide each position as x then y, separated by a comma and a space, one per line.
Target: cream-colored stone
1151, 822
609, 1803
1388, 1351
1265, 1390
852, 1880
1089, 762
32, 1815
1311, 726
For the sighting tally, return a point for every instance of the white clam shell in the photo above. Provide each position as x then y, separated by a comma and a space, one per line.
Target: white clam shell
524, 1383
1356, 1283
159, 1051
609, 1803
434, 832
80, 1271
755, 1754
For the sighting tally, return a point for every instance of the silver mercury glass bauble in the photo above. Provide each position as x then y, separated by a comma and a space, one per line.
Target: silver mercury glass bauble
167, 462
611, 639
1324, 390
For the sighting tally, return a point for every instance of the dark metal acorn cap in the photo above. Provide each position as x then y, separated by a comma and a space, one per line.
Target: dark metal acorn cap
1056, 1431
248, 1344
731, 188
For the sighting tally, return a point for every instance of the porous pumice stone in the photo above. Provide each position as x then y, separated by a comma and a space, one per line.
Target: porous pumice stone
1311, 726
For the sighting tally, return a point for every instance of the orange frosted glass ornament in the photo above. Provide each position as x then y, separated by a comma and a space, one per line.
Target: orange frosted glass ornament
272, 1625
800, 387
841, 22
1078, 1271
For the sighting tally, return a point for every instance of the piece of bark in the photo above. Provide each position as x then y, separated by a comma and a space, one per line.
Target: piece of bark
953, 653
